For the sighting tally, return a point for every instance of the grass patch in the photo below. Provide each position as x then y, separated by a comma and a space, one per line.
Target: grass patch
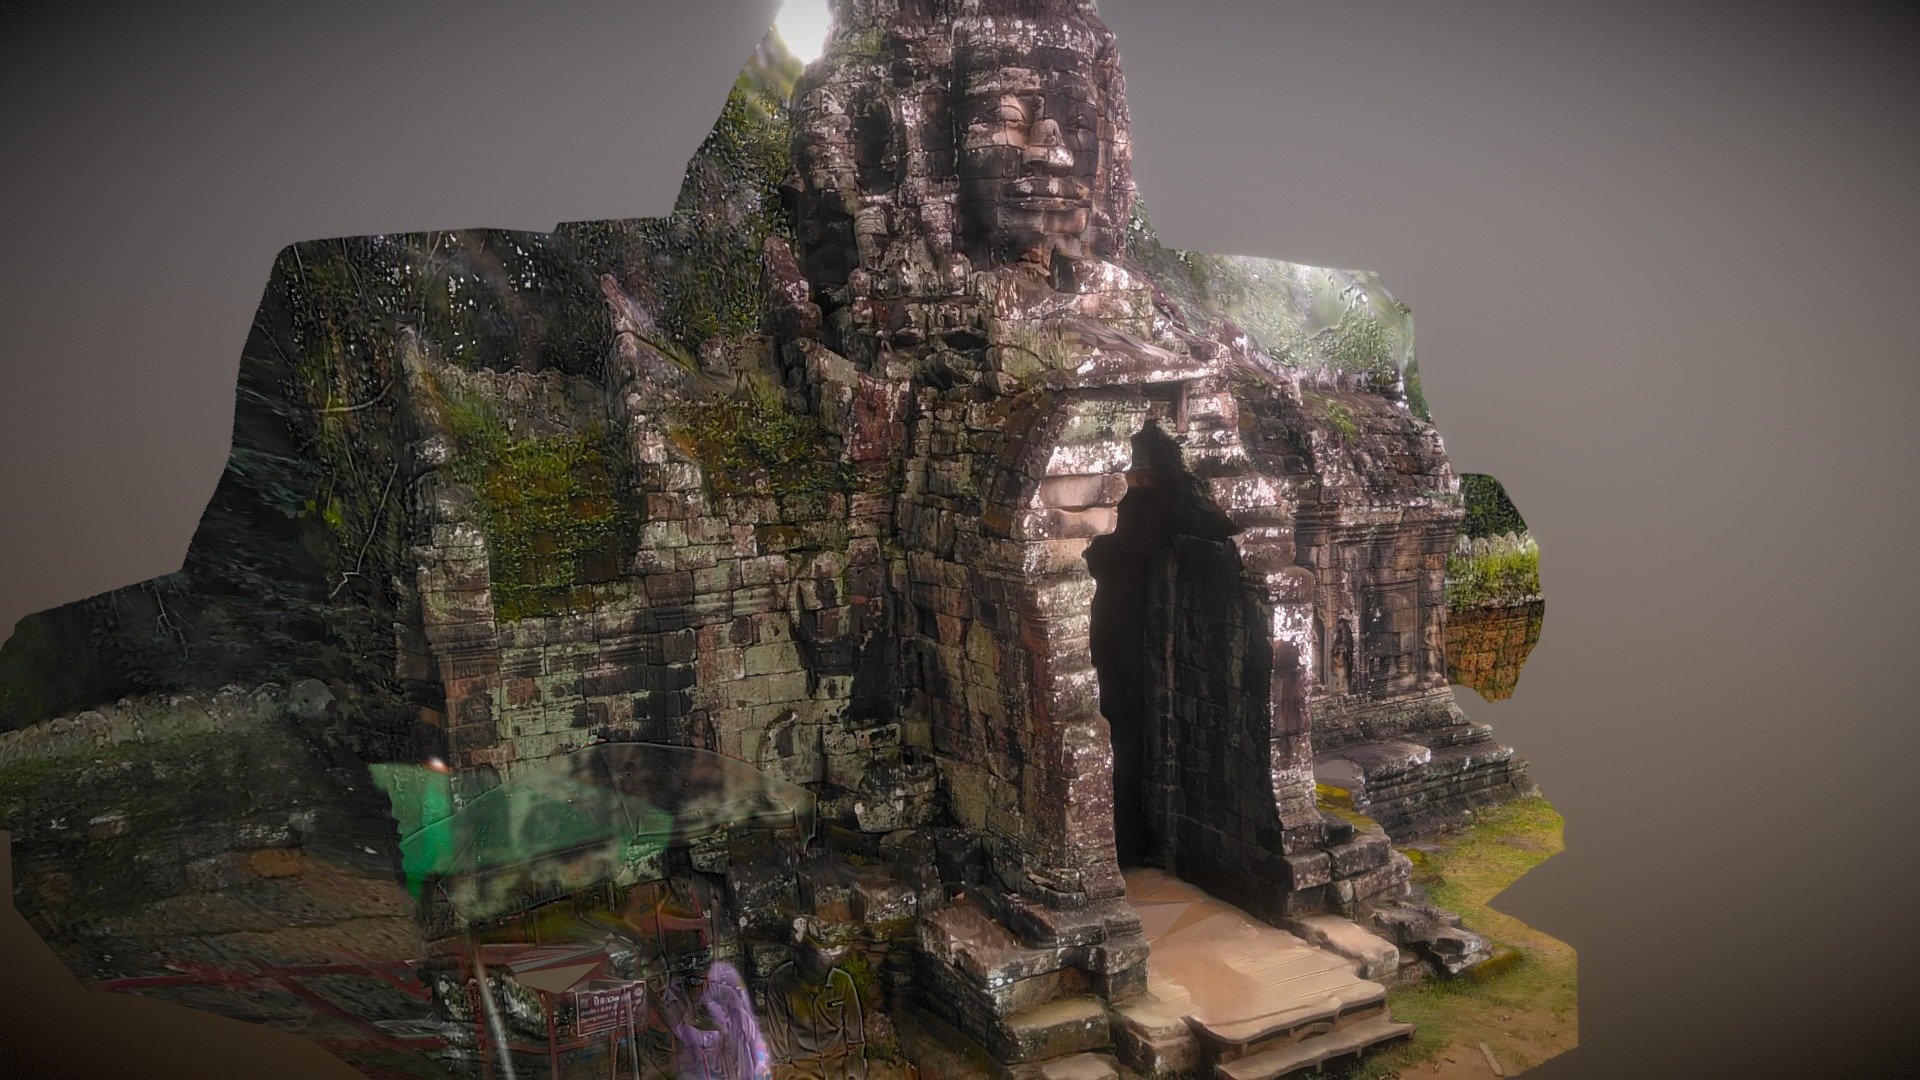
1525, 1012
1494, 571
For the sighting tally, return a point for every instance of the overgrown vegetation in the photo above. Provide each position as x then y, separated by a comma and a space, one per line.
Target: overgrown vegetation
1358, 342
1494, 569
1193, 280
1489, 511
550, 508
1495, 560
1416, 395
757, 447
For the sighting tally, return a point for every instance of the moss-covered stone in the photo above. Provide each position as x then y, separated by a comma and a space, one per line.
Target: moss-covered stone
551, 508
758, 447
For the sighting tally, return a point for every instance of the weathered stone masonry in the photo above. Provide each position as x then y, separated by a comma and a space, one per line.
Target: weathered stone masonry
1061, 570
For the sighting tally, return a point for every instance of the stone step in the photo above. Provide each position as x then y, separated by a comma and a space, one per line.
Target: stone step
1374, 957
1154, 1038
1457, 735
1326, 1000
983, 968
941, 1051
1413, 788
1080, 1067
1054, 1029
1347, 1039
1238, 987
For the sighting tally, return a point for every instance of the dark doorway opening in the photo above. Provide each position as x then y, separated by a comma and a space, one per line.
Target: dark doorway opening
1134, 639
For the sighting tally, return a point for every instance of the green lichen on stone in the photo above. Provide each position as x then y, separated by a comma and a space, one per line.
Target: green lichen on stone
865, 982
1338, 801
758, 447
1336, 414
1027, 351
550, 508
866, 43
1416, 396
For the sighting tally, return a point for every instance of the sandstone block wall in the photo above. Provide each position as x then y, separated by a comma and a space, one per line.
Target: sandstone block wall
1486, 645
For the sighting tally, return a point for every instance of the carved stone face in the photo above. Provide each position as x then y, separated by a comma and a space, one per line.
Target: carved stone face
999, 134
1036, 141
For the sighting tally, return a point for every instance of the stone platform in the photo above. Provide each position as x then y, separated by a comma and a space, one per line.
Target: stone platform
1231, 997
1427, 782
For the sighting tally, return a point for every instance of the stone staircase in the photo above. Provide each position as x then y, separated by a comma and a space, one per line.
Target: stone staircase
1231, 998
1226, 996
1426, 781
1027, 1006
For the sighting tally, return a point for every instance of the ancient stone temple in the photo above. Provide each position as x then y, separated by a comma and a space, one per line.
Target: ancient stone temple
867, 616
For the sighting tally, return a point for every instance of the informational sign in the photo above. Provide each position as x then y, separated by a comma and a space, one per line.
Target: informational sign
607, 1006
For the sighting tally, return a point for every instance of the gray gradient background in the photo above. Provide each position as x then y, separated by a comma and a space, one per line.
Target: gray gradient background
1662, 262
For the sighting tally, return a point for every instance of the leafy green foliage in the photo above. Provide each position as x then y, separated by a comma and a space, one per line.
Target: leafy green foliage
1306, 316
1489, 511
1358, 342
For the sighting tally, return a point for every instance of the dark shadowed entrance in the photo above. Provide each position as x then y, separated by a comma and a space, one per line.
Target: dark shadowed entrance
1168, 543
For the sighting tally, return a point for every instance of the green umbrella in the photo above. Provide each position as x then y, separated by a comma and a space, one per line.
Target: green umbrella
565, 825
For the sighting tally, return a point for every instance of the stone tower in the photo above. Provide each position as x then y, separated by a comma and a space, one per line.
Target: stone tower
948, 547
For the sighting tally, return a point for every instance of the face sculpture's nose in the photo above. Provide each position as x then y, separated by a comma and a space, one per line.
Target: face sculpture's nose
1046, 148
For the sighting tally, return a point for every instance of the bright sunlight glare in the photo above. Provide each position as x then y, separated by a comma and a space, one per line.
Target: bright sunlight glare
803, 27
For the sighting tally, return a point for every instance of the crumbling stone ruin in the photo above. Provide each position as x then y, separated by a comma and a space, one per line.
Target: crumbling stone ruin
893, 592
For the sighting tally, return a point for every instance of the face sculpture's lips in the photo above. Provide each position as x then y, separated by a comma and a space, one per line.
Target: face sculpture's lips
1048, 193
1048, 187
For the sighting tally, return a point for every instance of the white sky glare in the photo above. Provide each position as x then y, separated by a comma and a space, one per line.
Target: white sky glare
803, 26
